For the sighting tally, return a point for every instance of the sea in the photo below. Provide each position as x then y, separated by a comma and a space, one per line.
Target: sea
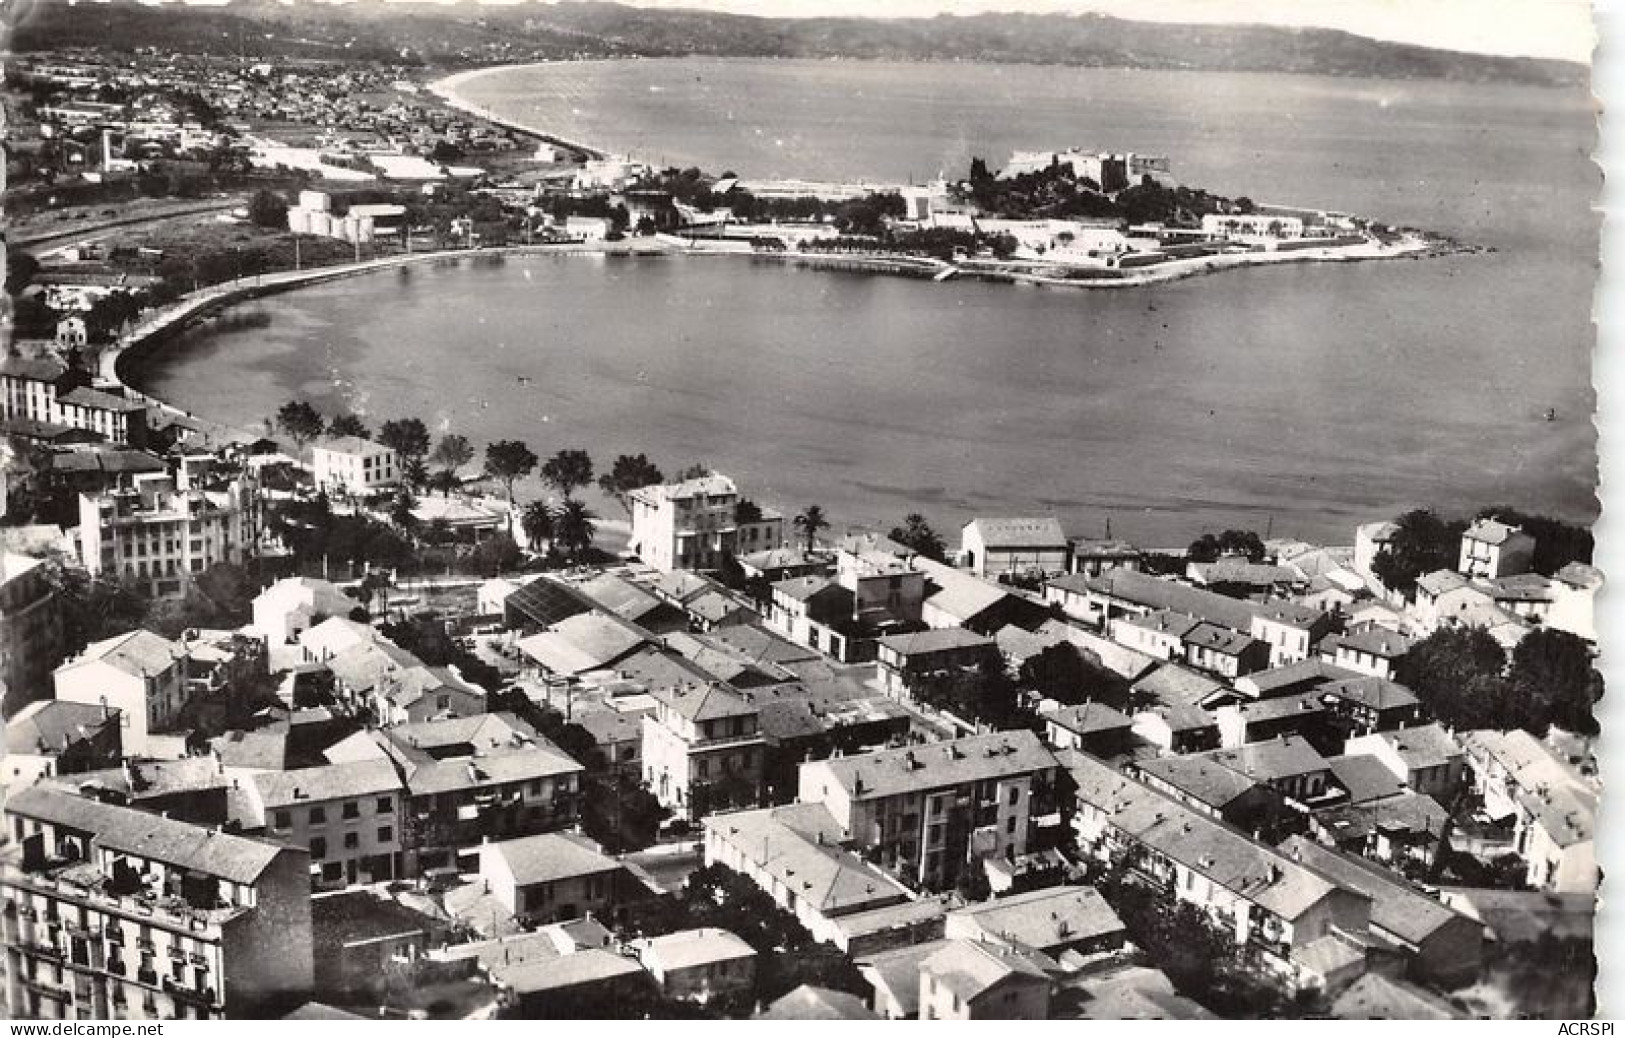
1297, 399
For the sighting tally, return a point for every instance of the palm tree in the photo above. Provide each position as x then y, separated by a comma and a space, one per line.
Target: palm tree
809, 522
573, 528
537, 522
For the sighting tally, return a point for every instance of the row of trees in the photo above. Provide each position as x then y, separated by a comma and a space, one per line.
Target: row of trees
1467, 680
1423, 542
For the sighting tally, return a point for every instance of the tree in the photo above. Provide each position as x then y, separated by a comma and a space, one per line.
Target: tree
568, 471
267, 209
698, 470
810, 522
453, 452
630, 472
917, 535
1457, 674
1420, 544
444, 481
301, 422
1552, 676
348, 425
573, 528
1208, 548
495, 554
537, 522
507, 462
20, 270
1065, 674
408, 437
1556, 543
400, 509
414, 473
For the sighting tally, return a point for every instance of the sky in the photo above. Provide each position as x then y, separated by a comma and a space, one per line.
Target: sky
1531, 28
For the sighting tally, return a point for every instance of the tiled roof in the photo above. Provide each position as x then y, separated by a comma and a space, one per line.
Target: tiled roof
970, 968
52, 725
1088, 718
1203, 780
812, 1003
138, 653
960, 595
100, 401
549, 857
936, 640
688, 948
1396, 906
975, 758
179, 844
1255, 871
586, 641
1019, 533
1491, 531
1154, 593
1284, 757
799, 846
1045, 919
326, 782
1364, 777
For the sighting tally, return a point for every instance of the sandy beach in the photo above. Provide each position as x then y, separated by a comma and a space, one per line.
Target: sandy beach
445, 88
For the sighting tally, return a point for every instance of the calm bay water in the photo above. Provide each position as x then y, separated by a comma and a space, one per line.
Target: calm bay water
1316, 395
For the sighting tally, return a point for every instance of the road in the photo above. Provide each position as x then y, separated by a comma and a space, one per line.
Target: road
43, 236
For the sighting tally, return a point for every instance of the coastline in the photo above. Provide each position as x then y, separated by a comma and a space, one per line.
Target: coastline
208, 302
445, 88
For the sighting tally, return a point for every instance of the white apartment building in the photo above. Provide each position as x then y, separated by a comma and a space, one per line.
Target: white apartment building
1491, 549
703, 749
691, 525
353, 466
30, 630
110, 913
928, 811
140, 674
163, 533
347, 815
39, 390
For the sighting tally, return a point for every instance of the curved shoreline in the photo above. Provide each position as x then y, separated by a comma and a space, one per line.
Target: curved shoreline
445, 88
207, 302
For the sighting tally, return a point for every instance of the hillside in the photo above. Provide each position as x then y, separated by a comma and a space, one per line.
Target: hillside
467, 33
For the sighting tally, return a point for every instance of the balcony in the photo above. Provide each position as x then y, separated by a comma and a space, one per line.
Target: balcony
186, 993
723, 742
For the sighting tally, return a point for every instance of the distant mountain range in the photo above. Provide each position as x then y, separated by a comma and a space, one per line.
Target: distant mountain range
470, 34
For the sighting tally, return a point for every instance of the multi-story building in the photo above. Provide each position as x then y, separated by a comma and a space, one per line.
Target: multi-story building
113, 913
164, 533
703, 749
929, 811
693, 524
1290, 915
45, 391
140, 674
348, 815
355, 467
1290, 630
30, 631
1491, 549
1553, 808
794, 854
904, 661
469, 779
554, 877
